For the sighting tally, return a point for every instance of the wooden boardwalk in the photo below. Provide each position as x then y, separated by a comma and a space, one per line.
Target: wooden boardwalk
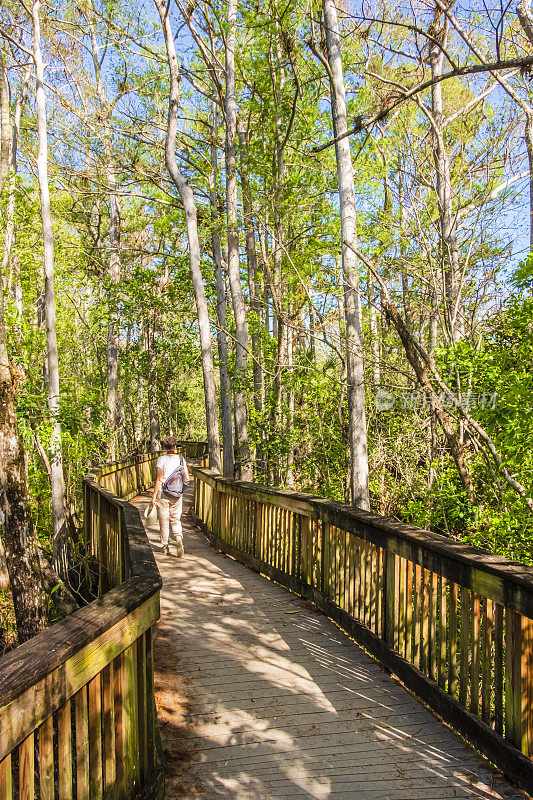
259, 696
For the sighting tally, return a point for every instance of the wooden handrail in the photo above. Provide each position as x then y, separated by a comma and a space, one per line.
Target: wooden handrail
89, 678
455, 624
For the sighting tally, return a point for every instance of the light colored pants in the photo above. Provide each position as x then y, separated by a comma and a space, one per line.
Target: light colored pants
169, 513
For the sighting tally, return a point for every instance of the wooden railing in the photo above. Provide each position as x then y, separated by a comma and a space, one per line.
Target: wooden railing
453, 623
77, 713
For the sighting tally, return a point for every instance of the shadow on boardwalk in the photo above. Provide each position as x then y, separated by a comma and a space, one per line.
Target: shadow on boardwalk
259, 696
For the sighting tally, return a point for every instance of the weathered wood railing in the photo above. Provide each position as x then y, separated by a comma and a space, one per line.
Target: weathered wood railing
453, 623
77, 714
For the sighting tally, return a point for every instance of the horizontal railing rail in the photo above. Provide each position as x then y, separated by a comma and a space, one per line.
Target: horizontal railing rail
77, 711
453, 623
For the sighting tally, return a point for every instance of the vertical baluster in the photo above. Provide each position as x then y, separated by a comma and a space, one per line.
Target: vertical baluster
27, 769
474, 664
424, 642
82, 737
390, 613
433, 617
527, 686
498, 668
409, 611
64, 752
417, 611
108, 719
95, 738
46, 761
401, 605
465, 640
357, 578
6, 779
452, 642
486, 609
513, 677
442, 628
380, 630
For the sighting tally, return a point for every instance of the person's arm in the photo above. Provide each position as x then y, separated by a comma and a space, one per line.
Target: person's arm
158, 482
186, 473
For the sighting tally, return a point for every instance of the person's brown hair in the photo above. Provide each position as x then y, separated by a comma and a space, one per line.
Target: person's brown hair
169, 443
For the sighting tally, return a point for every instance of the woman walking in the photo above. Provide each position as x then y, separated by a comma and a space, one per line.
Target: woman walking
172, 475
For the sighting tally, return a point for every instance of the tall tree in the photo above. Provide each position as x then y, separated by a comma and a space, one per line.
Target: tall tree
191, 218
244, 468
17, 530
354, 337
56, 454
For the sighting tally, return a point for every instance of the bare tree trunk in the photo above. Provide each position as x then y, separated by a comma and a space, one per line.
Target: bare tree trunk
448, 221
243, 466
222, 342
251, 257
354, 340
5, 124
151, 385
17, 532
187, 199
56, 457
115, 411
373, 296
528, 135
9, 237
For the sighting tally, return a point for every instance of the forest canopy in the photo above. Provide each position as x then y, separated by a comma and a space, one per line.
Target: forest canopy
302, 231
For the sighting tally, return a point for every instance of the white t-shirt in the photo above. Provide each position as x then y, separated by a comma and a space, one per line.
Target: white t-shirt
168, 464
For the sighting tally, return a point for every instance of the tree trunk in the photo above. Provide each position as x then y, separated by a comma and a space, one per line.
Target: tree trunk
56, 457
151, 385
448, 221
222, 342
5, 124
529, 145
17, 532
187, 199
373, 297
251, 257
243, 467
115, 411
354, 341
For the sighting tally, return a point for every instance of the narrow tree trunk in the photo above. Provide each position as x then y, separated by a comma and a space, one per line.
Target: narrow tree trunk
528, 135
251, 257
5, 124
373, 296
191, 219
448, 222
244, 469
115, 412
354, 341
9, 237
222, 342
56, 457
151, 385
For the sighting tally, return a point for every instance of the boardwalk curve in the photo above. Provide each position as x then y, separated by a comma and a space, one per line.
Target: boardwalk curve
259, 696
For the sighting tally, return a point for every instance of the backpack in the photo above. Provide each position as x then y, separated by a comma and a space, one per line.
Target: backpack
175, 482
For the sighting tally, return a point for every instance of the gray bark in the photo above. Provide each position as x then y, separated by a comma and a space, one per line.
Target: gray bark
222, 342
243, 466
17, 533
354, 341
189, 206
448, 220
56, 456
115, 412
151, 385
525, 16
251, 258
